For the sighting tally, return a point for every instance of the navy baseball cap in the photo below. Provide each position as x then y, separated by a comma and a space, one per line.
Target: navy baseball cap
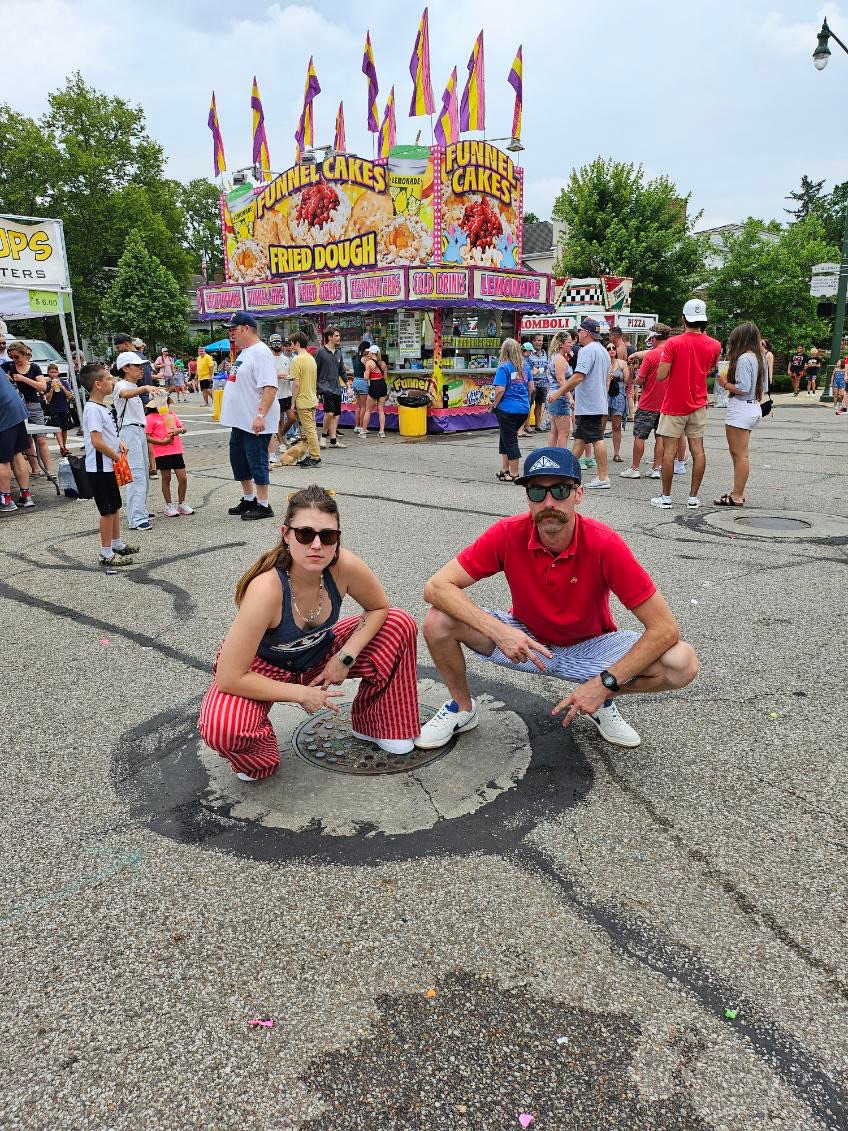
591, 325
559, 462
243, 319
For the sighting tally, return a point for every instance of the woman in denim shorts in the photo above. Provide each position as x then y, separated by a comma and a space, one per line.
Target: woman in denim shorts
619, 373
559, 403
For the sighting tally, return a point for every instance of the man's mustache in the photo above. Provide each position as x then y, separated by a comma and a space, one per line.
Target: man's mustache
549, 512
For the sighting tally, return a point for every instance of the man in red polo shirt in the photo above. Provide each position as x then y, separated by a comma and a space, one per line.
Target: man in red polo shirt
561, 569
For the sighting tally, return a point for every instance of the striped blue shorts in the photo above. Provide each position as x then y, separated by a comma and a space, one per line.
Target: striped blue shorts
577, 662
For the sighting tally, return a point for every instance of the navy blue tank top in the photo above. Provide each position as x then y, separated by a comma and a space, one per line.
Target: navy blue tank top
299, 649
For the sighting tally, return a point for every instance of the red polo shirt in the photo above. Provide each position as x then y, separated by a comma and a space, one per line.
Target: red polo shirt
564, 598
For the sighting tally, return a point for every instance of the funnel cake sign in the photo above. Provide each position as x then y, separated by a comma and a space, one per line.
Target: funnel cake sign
457, 206
480, 206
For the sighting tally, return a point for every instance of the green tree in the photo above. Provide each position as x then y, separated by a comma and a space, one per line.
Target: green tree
146, 298
531, 218
200, 203
767, 281
806, 199
90, 162
619, 223
830, 209
28, 163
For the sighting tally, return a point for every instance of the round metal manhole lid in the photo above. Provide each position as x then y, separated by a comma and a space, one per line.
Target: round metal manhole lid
759, 525
326, 740
773, 522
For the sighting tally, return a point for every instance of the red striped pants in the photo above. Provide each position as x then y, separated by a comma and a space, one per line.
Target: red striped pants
386, 704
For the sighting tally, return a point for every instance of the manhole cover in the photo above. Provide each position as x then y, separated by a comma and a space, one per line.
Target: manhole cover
326, 740
772, 522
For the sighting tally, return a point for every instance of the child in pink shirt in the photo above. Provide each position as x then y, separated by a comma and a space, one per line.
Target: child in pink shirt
163, 432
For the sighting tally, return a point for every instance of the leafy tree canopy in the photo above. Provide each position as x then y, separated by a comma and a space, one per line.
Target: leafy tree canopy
768, 282
90, 161
619, 223
805, 199
146, 296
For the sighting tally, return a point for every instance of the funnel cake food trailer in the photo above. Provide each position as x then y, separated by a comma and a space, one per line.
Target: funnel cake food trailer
419, 253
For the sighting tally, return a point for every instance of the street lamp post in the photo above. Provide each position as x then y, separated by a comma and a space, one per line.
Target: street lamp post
821, 57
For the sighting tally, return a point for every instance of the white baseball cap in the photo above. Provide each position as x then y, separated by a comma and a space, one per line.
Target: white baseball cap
373, 349
128, 359
695, 310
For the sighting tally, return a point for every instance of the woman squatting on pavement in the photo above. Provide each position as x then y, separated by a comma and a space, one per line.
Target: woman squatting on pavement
288, 645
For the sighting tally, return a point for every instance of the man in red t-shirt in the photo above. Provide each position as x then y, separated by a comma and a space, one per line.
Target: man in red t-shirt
560, 568
686, 361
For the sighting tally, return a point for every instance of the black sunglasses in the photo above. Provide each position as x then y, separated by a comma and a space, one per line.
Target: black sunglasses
306, 535
536, 493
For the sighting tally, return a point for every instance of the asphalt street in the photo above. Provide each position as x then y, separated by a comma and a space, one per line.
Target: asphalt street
536, 924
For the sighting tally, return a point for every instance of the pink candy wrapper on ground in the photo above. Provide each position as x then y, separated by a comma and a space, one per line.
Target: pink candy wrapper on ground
261, 1021
525, 1120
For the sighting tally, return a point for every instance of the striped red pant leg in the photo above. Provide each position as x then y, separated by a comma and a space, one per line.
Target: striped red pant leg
239, 730
386, 705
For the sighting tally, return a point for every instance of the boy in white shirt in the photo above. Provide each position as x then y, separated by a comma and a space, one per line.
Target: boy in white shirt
102, 446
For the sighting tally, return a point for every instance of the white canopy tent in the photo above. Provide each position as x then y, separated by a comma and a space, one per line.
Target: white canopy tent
34, 280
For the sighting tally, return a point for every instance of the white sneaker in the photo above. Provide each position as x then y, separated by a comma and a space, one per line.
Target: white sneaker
390, 745
598, 484
323, 441
630, 473
246, 777
170, 511
680, 467
339, 444
694, 503
447, 722
655, 473
184, 508
662, 501
613, 727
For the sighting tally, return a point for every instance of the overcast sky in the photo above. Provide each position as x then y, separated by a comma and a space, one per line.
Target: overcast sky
721, 96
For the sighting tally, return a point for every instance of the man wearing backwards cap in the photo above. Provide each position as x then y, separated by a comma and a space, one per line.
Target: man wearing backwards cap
561, 569
686, 360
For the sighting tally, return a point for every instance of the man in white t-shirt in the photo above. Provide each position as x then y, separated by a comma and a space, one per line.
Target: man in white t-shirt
129, 414
251, 411
590, 383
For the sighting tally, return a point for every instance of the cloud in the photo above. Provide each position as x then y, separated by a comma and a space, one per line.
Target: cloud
799, 38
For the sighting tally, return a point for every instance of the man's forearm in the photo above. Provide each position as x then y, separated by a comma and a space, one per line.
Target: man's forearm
269, 395
653, 643
573, 381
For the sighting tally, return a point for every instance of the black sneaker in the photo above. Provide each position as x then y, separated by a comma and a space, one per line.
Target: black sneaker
308, 461
243, 505
257, 510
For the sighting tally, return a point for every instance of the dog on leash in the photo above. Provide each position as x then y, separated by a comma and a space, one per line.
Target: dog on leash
293, 454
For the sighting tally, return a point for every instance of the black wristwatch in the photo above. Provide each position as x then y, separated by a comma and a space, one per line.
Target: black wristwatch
609, 681
349, 661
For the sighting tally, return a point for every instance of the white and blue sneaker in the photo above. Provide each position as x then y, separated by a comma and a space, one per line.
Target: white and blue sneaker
447, 722
395, 746
613, 727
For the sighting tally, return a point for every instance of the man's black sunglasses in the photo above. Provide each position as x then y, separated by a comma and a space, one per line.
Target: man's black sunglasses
536, 493
306, 535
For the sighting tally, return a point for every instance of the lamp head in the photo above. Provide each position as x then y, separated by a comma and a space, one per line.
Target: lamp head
821, 55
